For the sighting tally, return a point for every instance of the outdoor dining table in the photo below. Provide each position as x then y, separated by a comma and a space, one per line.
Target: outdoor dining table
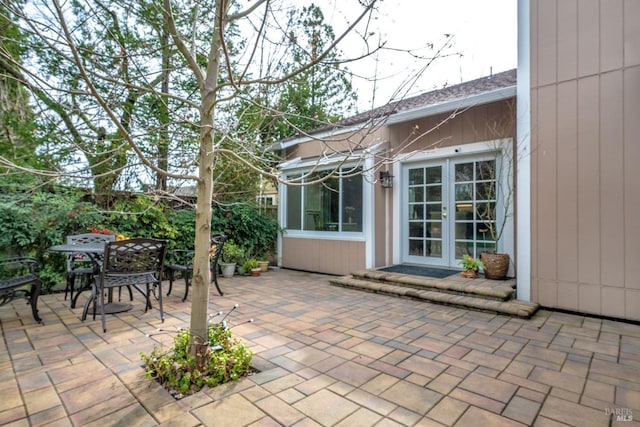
95, 251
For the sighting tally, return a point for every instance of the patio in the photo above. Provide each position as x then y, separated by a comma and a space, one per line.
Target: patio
328, 356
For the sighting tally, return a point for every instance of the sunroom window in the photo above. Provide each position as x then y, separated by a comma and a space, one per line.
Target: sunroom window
326, 203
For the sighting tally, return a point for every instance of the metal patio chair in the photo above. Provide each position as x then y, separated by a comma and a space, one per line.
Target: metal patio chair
137, 263
181, 261
16, 274
80, 266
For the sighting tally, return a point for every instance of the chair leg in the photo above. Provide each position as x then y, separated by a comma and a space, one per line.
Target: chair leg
33, 299
171, 277
187, 283
102, 314
120, 293
86, 278
160, 301
147, 296
70, 285
214, 274
87, 304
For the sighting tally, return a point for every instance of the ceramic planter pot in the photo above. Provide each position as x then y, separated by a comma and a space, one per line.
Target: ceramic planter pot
264, 266
228, 269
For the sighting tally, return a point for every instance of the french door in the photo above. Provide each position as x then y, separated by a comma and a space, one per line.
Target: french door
449, 210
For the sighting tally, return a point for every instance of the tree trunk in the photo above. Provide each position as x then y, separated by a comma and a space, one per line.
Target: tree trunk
201, 272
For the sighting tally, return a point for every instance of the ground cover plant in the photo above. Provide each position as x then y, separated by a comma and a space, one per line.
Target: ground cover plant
220, 358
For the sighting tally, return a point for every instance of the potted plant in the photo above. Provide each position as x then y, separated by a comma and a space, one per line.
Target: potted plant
471, 266
232, 255
264, 265
252, 266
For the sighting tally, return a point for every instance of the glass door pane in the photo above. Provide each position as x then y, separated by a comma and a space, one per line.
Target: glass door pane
475, 203
425, 241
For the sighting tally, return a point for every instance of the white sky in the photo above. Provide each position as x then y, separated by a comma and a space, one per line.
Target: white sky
484, 40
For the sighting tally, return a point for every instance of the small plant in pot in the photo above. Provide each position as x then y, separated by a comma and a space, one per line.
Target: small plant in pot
232, 255
262, 261
471, 266
264, 265
252, 266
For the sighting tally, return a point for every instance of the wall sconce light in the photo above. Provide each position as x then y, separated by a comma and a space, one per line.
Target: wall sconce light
386, 179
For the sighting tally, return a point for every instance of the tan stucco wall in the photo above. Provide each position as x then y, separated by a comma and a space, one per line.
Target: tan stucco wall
585, 145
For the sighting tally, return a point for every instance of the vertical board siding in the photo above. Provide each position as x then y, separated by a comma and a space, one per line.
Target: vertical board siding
547, 53
567, 40
588, 37
567, 182
323, 256
588, 180
585, 140
631, 33
612, 234
632, 176
611, 41
547, 183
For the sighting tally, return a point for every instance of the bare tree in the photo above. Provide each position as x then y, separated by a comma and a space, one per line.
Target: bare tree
213, 54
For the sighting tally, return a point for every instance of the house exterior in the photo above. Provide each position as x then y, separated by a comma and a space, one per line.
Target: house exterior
549, 150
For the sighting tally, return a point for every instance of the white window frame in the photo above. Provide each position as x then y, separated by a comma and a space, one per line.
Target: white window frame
367, 201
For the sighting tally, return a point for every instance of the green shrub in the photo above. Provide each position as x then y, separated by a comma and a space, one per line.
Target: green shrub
227, 359
33, 221
232, 253
250, 228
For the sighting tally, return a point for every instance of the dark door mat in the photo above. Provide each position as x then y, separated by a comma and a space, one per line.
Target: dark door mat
415, 270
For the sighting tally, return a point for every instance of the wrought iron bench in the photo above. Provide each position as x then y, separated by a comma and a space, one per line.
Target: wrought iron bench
181, 261
16, 274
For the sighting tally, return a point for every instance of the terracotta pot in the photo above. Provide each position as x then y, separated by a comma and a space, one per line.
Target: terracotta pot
255, 271
469, 274
496, 266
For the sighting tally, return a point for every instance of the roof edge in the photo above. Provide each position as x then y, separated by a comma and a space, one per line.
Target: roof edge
456, 104
393, 117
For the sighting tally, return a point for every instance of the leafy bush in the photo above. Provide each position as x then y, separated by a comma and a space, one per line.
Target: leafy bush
248, 227
225, 359
142, 216
33, 221
232, 253
183, 221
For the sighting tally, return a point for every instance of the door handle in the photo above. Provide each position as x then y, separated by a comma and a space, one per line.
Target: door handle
444, 214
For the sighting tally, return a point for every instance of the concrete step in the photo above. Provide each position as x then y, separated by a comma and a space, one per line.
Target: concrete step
457, 285
511, 307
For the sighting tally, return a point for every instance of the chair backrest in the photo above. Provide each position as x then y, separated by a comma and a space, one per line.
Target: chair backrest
80, 239
134, 256
217, 240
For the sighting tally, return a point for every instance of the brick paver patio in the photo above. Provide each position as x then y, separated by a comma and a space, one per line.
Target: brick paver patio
328, 356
